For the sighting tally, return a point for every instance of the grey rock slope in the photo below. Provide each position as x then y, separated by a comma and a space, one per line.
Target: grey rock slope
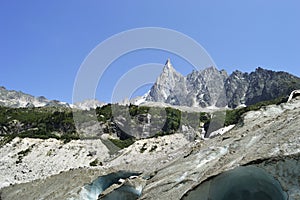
213, 88
16, 99
267, 139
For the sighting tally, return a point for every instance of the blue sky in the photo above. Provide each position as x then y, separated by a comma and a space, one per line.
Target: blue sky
43, 43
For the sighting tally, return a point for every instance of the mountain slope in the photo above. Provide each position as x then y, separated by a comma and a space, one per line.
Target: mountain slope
260, 85
173, 167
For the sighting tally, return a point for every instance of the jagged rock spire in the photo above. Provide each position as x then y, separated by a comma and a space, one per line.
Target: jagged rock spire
168, 62
165, 83
168, 66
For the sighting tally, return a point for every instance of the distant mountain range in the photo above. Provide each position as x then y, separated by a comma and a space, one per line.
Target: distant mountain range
207, 88
18, 99
213, 88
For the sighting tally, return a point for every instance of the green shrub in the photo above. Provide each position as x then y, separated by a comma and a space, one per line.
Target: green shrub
23, 153
153, 148
122, 143
95, 163
144, 148
6, 139
36, 122
234, 116
68, 137
104, 113
173, 121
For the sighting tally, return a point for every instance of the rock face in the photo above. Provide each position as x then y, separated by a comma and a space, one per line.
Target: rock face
210, 87
15, 99
173, 167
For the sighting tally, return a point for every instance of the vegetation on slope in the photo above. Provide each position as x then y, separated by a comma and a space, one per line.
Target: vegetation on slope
234, 116
54, 122
41, 123
122, 143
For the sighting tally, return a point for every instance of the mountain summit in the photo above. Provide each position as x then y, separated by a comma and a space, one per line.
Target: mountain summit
166, 84
198, 89
213, 88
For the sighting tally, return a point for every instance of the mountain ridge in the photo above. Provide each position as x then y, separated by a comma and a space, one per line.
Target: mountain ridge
213, 88
16, 99
19, 99
207, 88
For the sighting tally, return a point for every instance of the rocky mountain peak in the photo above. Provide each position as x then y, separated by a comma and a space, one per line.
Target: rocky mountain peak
168, 68
165, 84
260, 69
210, 69
224, 73
237, 72
168, 63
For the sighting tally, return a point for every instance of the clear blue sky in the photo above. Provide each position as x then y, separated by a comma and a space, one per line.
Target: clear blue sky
43, 43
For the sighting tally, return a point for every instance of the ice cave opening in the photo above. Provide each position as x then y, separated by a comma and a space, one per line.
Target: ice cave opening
93, 190
241, 183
